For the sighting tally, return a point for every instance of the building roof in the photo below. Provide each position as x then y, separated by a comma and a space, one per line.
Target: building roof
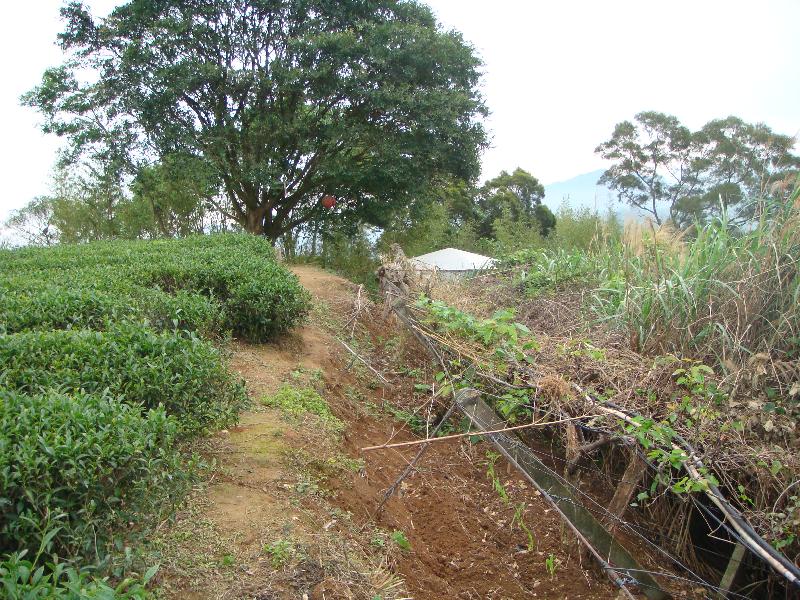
452, 259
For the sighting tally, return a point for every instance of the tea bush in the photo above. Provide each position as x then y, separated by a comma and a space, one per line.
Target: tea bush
81, 463
206, 284
139, 366
31, 305
105, 370
22, 579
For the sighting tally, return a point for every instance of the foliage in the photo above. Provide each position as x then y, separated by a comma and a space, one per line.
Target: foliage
104, 374
81, 463
725, 295
352, 257
497, 485
205, 283
299, 401
664, 169
366, 101
540, 271
22, 579
183, 373
584, 229
550, 564
500, 332
170, 198
399, 538
279, 552
518, 520
518, 197
175, 197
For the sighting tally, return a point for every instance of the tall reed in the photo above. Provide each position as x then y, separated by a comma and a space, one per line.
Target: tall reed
726, 293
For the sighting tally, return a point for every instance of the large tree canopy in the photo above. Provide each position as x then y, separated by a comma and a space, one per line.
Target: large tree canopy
287, 100
666, 170
516, 195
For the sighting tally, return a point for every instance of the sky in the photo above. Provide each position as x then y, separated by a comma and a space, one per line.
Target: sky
557, 75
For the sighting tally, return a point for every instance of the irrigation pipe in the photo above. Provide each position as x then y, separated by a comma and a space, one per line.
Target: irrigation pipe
751, 539
609, 570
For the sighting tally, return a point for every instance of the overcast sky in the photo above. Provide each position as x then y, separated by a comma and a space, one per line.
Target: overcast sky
558, 75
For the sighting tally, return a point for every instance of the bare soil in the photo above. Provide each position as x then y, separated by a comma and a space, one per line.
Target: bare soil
290, 509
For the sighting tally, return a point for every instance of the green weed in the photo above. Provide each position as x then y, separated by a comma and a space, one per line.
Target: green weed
297, 402
279, 552
399, 538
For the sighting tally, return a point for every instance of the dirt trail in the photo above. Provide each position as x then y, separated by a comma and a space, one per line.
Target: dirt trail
289, 511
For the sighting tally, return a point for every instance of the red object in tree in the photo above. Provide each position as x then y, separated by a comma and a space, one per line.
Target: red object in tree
328, 201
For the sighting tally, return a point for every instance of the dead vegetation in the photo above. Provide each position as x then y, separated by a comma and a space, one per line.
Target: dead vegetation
748, 452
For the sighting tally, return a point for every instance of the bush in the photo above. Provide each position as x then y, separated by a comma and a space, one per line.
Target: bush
540, 271
103, 372
202, 283
33, 305
82, 463
185, 374
22, 579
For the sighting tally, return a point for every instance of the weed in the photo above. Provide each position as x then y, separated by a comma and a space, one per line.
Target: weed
399, 538
301, 401
517, 518
279, 552
551, 564
490, 473
228, 560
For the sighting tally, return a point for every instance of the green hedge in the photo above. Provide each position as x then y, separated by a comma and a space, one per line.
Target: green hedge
81, 463
36, 306
105, 369
23, 579
183, 373
207, 284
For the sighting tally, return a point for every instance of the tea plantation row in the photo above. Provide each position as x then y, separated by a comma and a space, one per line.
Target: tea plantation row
109, 363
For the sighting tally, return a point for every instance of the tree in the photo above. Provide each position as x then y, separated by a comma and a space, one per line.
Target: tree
664, 169
742, 162
286, 99
33, 223
442, 217
171, 198
519, 197
655, 163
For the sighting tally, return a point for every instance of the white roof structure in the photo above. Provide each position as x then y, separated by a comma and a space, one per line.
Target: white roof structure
452, 259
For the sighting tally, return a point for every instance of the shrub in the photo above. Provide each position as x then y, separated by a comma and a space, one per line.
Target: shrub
540, 271
202, 283
34, 305
22, 579
82, 463
185, 374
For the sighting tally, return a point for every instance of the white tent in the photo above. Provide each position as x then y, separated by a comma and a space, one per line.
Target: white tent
452, 261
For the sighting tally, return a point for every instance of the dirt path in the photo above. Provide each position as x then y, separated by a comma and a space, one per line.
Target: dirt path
289, 510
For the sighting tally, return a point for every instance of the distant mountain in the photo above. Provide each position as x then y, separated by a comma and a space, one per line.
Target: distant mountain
581, 191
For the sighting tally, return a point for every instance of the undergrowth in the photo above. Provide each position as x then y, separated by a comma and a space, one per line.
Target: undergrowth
299, 401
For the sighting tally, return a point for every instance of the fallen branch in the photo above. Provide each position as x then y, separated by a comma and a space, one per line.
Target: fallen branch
445, 438
385, 382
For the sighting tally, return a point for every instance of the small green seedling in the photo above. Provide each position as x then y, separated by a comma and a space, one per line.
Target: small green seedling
399, 538
550, 564
279, 552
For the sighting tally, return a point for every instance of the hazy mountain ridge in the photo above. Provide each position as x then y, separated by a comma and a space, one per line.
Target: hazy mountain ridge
581, 191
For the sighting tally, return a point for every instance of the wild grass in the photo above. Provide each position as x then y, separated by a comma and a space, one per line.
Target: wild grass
724, 295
